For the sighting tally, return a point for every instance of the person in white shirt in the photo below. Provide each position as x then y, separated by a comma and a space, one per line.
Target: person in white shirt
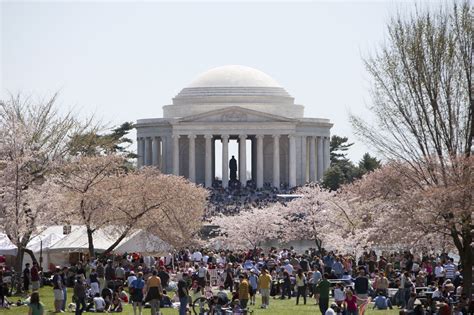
339, 295
439, 273
197, 256
332, 310
99, 303
202, 276
130, 278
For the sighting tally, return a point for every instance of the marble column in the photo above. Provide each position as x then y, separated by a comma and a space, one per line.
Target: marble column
140, 153
192, 158
155, 159
148, 151
312, 159
175, 154
208, 161
164, 154
259, 161
292, 161
276, 161
304, 159
320, 158
243, 160
327, 153
225, 160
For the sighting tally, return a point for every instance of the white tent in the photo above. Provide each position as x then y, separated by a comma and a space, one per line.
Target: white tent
77, 241
42, 242
7, 248
142, 242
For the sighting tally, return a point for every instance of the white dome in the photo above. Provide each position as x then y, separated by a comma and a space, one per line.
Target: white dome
233, 76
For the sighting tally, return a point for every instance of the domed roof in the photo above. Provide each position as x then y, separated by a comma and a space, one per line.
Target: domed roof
233, 76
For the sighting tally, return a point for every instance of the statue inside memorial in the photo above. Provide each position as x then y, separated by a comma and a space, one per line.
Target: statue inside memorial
233, 168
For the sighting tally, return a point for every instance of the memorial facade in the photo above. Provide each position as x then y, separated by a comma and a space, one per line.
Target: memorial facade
236, 103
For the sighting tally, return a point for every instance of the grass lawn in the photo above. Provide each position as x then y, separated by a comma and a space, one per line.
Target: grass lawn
277, 307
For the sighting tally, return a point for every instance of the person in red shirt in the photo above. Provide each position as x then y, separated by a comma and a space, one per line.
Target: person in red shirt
35, 277
351, 303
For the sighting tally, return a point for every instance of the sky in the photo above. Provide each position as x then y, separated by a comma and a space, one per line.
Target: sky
122, 61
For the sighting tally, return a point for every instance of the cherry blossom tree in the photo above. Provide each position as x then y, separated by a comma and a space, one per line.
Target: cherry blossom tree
247, 229
423, 104
85, 195
307, 217
33, 139
167, 206
407, 212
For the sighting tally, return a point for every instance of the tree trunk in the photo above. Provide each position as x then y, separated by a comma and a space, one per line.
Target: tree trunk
466, 256
91, 242
19, 269
32, 255
319, 245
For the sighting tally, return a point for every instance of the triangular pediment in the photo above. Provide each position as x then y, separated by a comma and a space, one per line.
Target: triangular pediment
235, 114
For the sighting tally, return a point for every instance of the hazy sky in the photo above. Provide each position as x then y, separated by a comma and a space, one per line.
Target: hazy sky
123, 61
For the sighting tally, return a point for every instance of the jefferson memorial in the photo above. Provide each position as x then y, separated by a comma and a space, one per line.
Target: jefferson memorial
236, 103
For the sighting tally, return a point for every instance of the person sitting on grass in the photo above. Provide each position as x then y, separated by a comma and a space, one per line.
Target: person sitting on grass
165, 300
381, 302
35, 306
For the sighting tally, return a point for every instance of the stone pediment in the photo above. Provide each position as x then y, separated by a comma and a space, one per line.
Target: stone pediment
235, 114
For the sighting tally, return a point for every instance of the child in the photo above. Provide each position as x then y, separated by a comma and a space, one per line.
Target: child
339, 295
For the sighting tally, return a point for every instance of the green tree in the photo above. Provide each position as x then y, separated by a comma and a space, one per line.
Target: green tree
341, 170
93, 143
338, 148
368, 164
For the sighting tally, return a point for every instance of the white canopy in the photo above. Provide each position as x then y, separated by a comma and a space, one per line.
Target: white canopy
77, 241
142, 242
6, 246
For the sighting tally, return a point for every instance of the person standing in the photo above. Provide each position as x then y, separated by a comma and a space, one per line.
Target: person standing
35, 307
183, 294
80, 295
361, 287
317, 276
63, 276
58, 291
264, 282
300, 286
26, 278
164, 276
324, 286
101, 275
137, 293
153, 291
35, 277
244, 289
253, 282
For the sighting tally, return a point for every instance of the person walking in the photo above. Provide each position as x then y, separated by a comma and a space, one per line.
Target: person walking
324, 286
153, 292
300, 286
264, 282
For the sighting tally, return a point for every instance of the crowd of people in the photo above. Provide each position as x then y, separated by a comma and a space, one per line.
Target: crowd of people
233, 199
232, 280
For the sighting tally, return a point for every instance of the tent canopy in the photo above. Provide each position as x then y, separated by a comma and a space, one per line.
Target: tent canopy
142, 242
7, 248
